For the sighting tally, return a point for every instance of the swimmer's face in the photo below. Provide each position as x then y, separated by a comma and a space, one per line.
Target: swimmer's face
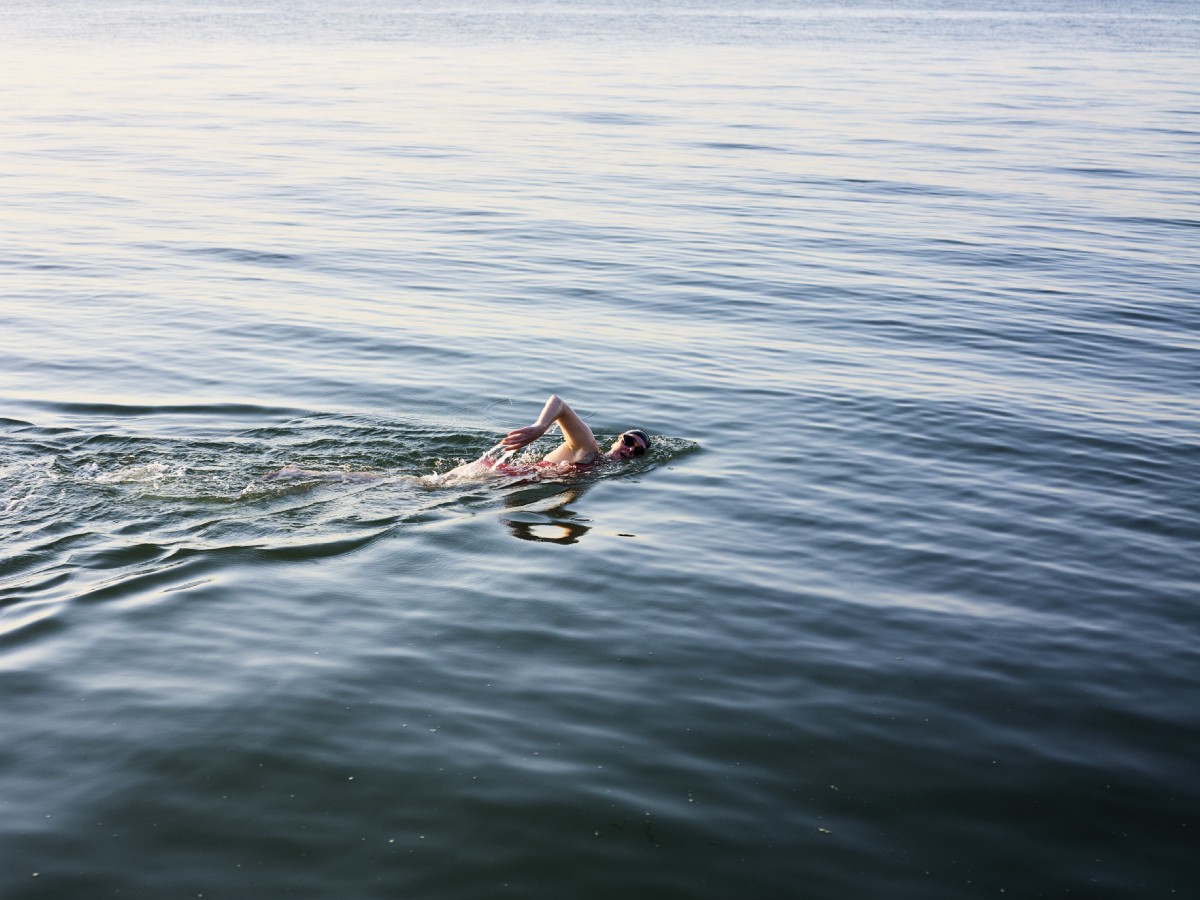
628, 445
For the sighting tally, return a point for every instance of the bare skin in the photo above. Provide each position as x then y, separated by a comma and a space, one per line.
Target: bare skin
579, 445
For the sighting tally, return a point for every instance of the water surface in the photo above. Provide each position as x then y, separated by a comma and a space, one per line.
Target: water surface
902, 602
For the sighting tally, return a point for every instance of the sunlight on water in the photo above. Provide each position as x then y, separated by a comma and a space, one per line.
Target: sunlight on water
898, 603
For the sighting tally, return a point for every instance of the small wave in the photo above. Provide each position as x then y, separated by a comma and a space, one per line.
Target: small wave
147, 473
26, 626
124, 410
902, 188
613, 118
293, 479
1099, 172
244, 255
733, 146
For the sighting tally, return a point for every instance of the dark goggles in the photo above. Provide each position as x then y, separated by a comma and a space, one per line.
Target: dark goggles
630, 441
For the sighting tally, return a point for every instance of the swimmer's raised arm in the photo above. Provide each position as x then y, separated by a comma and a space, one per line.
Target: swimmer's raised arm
579, 443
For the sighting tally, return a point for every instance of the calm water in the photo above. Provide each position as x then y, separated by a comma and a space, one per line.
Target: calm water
902, 604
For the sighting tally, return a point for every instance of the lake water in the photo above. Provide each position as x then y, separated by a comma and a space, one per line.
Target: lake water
903, 602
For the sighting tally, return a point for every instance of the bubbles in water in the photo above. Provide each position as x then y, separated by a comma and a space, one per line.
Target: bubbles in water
147, 473
24, 481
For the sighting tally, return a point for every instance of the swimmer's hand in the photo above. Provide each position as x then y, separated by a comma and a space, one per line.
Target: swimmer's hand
522, 437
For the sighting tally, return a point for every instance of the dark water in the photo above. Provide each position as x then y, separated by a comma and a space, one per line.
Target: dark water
903, 603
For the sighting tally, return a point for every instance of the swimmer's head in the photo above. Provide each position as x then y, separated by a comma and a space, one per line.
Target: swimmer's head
630, 444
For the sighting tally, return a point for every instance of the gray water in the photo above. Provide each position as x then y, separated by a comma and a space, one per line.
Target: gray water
903, 601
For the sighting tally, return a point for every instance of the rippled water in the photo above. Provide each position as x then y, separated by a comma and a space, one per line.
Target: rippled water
902, 602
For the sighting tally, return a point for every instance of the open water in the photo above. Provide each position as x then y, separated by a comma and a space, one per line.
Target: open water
904, 601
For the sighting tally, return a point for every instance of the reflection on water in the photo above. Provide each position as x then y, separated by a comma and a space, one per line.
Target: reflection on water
543, 514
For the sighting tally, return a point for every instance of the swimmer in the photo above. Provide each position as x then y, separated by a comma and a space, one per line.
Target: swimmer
579, 446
